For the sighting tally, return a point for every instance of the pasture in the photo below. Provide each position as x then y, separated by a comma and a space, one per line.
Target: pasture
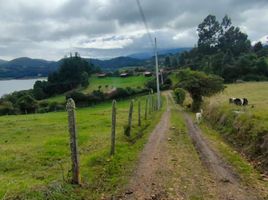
35, 155
106, 84
255, 92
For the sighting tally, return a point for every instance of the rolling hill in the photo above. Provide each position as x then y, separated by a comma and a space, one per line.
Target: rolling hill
161, 52
29, 67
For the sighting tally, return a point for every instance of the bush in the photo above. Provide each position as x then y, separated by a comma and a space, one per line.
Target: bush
6, 108
127, 130
77, 96
27, 104
55, 106
82, 99
179, 95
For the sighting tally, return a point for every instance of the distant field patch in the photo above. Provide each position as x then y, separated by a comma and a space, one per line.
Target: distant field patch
108, 83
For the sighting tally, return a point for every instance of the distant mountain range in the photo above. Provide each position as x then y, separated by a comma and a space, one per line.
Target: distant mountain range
2, 61
28, 67
148, 55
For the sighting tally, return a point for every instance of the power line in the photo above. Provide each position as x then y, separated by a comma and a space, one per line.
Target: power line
145, 23
154, 45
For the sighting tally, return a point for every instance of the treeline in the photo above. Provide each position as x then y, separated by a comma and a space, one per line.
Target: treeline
223, 49
73, 72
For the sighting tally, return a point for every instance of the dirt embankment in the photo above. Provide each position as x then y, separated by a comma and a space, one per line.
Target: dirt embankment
243, 129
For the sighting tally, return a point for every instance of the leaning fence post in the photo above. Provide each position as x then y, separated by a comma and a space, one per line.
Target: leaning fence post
152, 100
149, 104
128, 131
146, 107
70, 107
139, 113
113, 127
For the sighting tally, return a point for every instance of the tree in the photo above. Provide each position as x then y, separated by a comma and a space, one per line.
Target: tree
208, 32
27, 104
38, 90
174, 62
262, 67
84, 79
257, 47
180, 95
199, 85
167, 61
73, 72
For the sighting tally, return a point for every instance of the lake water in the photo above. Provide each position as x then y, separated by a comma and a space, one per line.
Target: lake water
8, 86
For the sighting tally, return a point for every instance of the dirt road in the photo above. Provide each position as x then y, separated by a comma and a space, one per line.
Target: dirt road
173, 166
145, 183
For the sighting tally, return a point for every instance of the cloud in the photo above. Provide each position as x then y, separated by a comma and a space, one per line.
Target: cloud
105, 28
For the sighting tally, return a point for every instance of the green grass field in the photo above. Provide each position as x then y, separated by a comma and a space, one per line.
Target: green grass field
255, 92
35, 161
107, 84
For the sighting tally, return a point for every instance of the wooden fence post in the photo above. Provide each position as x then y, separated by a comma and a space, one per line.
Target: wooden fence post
139, 113
149, 104
70, 107
113, 127
128, 131
146, 108
152, 99
156, 104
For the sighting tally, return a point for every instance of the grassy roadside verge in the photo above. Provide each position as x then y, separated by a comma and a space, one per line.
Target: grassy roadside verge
246, 171
187, 168
35, 153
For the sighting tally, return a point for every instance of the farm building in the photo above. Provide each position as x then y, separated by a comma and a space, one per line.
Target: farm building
102, 75
123, 75
147, 74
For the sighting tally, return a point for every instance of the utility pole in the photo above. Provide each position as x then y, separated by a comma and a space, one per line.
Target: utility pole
157, 77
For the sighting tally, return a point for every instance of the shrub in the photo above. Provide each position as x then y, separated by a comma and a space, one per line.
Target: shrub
127, 130
77, 96
27, 104
55, 106
6, 108
179, 95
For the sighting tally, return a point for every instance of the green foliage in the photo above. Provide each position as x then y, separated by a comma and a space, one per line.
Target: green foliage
127, 130
84, 79
225, 51
39, 90
179, 95
199, 85
151, 84
7, 108
167, 61
73, 72
208, 32
27, 104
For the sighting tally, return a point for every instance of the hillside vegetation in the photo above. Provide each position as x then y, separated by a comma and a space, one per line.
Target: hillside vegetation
223, 49
245, 127
107, 84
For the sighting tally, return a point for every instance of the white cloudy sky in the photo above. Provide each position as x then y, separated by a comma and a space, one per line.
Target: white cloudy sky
50, 29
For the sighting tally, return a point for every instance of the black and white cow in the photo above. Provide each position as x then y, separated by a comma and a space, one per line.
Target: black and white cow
239, 101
